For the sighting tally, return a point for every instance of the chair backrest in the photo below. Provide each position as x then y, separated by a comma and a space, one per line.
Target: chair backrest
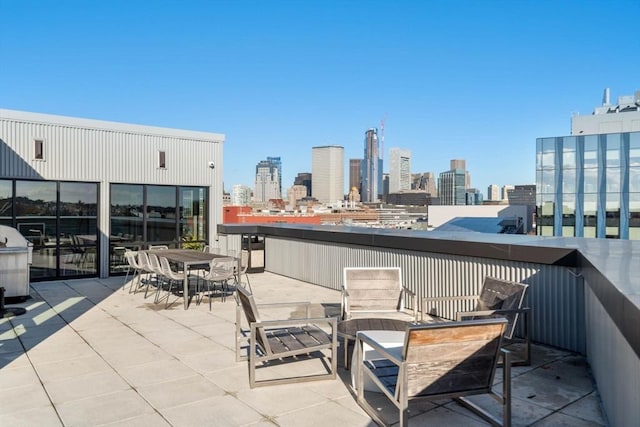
157, 247
452, 357
248, 303
499, 294
205, 249
131, 258
167, 271
154, 264
143, 261
244, 261
221, 268
373, 288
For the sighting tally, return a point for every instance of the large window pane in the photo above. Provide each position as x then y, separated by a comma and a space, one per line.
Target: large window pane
161, 214
613, 150
548, 153
569, 153
634, 149
613, 216
548, 181
634, 179
193, 214
591, 152
36, 220
126, 213
590, 215
568, 180
613, 180
568, 214
6, 202
78, 228
591, 180
634, 216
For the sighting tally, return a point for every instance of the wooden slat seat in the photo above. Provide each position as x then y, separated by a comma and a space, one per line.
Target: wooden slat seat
439, 360
283, 341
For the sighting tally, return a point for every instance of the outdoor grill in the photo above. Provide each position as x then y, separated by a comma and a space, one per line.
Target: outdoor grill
15, 259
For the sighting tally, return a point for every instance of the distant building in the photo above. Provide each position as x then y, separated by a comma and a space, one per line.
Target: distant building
409, 198
295, 193
461, 164
505, 191
493, 192
588, 184
424, 181
240, 195
267, 183
473, 196
327, 164
304, 178
399, 170
524, 195
371, 168
277, 162
452, 185
355, 174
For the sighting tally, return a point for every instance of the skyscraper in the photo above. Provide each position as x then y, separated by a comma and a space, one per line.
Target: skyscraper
399, 170
240, 195
355, 174
277, 163
267, 184
425, 181
371, 167
493, 192
327, 173
304, 178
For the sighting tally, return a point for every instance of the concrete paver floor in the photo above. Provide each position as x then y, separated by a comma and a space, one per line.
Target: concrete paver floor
89, 353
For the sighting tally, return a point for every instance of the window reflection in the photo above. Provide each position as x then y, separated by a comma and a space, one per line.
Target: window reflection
161, 214
6, 202
78, 228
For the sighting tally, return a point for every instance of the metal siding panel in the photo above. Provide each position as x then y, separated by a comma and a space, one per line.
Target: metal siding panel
555, 294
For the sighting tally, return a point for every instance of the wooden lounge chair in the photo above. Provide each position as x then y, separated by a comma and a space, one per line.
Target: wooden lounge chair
437, 361
376, 292
497, 297
284, 341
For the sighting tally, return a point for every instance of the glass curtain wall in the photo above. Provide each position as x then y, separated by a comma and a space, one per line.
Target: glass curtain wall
590, 165
545, 172
569, 187
634, 186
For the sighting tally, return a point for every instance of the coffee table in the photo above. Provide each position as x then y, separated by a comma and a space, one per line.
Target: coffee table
347, 330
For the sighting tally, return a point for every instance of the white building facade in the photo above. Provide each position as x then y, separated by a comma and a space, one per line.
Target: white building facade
327, 173
240, 195
399, 170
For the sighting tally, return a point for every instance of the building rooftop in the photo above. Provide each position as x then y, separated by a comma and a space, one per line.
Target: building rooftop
90, 353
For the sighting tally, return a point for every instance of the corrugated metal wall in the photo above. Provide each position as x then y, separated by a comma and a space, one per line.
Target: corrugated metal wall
556, 295
105, 152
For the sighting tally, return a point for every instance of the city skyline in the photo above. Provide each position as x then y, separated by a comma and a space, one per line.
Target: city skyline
474, 80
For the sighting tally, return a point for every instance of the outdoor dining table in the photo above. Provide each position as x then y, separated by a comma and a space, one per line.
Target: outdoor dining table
188, 258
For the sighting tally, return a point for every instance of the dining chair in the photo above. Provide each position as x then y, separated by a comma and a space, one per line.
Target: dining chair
172, 278
132, 264
221, 270
154, 265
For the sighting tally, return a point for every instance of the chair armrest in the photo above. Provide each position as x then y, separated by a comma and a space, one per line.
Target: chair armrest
331, 321
363, 337
414, 301
461, 314
427, 300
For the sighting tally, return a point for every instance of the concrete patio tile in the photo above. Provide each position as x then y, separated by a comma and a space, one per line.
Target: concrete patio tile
278, 400
233, 379
29, 396
12, 345
44, 416
218, 410
559, 419
17, 377
11, 360
523, 412
155, 372
180, 392
55, 371
192, 347
103, 409
146, 420
80, 387
56, 339
47, 352
212, 361
121, 358
324, 414
587, 408
572, 370
387, 409
443, 416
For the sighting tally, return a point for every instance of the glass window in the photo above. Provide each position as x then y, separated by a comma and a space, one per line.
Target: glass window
613, 150
591, 152
590, 180
538, 154
568, 180
548, 181
161, 214
613, 216
126, 213
78, 228
548, 153
568, 214
569, 153
6, 202
634, 216
613, 180
36, 220
634, 149
634, 179
193, 214
590, 215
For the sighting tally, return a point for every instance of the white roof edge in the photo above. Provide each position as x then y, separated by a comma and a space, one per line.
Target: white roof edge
107, 125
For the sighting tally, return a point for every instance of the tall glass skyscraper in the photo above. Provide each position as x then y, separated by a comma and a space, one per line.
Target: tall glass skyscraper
589, 185
371, 167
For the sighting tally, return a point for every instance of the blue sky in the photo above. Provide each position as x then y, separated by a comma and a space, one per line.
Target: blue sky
478, 80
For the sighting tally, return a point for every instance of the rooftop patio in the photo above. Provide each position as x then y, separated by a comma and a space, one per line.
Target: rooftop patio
89, 353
